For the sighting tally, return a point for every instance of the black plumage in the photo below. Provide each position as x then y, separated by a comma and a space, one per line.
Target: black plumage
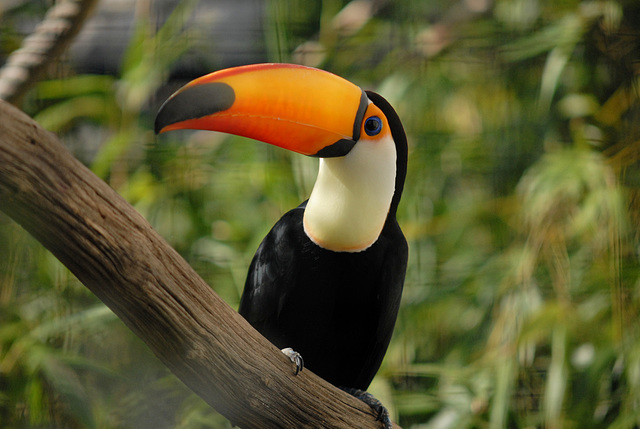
337, 309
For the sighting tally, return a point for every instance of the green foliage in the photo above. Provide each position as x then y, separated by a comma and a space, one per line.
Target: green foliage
520, 209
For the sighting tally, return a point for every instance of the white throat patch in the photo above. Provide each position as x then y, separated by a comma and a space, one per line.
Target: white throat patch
350, 200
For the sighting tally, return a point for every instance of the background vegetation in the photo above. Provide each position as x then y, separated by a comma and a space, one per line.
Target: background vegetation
522, 296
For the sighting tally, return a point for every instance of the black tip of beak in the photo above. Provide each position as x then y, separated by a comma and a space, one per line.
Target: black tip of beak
194, 102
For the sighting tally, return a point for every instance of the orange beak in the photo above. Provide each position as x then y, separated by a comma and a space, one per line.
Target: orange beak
298, 108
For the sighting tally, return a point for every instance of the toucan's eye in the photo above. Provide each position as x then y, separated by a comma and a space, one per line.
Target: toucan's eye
373, 126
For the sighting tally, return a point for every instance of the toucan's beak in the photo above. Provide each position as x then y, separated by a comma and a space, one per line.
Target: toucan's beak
302, 109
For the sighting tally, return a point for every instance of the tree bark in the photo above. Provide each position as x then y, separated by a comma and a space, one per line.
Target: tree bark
115, 253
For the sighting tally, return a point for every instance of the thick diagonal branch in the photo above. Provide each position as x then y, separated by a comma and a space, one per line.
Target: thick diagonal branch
115, 253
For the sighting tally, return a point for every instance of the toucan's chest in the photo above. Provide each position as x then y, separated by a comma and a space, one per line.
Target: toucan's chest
295, 274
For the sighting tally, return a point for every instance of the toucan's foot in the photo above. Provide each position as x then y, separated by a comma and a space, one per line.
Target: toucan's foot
295, 358
366, 397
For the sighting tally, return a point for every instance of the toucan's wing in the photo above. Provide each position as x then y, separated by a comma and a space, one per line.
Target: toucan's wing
273, 271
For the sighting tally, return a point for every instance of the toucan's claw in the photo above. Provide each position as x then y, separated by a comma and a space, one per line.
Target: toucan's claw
295, 357
374, 403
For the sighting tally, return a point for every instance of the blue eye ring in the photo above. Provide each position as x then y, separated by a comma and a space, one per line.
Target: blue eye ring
373, 126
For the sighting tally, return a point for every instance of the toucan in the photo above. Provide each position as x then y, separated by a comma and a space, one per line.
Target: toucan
325, 283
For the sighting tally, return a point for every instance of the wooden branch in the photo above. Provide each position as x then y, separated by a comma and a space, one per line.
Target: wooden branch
117, 255
52, 36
